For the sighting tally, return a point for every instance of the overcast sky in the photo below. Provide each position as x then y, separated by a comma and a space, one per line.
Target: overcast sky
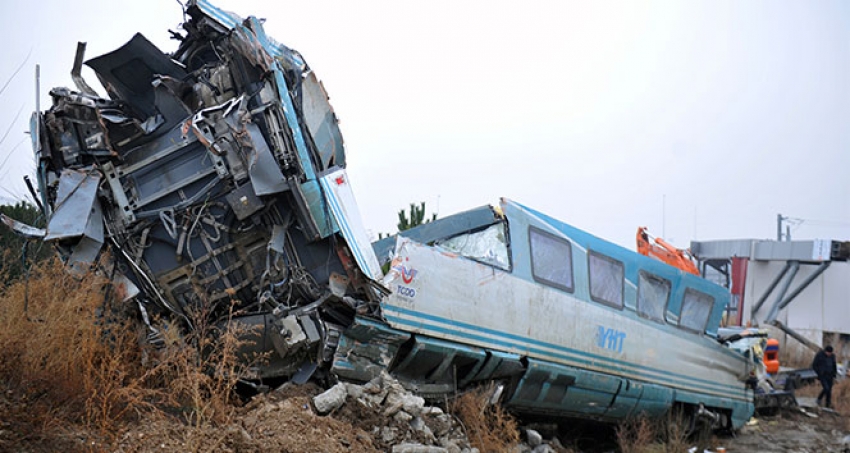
700, 120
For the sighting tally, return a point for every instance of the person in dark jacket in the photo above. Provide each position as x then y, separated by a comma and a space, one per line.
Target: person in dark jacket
824, 366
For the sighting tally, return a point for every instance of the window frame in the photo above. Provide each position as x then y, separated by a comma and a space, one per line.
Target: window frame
507, 233
542, 280
600, 300
645, 275
707, 317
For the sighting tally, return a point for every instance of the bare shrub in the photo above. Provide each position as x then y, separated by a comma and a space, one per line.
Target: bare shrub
636, 435
201, 369
489, 427
663, 435
674, 432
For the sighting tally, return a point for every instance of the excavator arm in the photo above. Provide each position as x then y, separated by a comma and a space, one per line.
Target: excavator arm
663, 251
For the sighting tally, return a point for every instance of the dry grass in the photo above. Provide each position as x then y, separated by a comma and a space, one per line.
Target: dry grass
637, 435
809, 390
840, 396
59, 346
643, 435
70, 357
489, 427
674, 433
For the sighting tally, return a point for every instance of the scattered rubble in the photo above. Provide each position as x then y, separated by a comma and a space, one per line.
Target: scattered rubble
410, 426
407, 423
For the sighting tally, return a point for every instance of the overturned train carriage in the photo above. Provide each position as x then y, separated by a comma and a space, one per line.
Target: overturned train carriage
215, 178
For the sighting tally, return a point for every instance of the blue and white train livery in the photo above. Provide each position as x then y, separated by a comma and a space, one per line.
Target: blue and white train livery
571, 324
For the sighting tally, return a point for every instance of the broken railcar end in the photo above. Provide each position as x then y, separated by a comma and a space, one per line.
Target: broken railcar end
216, 176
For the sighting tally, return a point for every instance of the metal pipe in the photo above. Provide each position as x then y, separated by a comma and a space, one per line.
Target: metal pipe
804, 284
774, 311
40, 161
78, 66
769, 290
808, 343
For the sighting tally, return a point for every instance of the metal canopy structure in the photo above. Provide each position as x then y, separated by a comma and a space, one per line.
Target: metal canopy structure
818, 253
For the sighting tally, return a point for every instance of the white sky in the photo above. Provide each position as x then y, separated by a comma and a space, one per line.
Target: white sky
700, 120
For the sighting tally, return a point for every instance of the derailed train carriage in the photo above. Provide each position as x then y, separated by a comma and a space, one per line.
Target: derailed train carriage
570, 324
215, 177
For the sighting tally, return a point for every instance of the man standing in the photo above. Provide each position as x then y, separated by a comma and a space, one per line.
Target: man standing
824, 367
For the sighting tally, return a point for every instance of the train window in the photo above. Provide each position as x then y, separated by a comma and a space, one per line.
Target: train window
489, 246
551, 259
606, 279
653, 293
696, 307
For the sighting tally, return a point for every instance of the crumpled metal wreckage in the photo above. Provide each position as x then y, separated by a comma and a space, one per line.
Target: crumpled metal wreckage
215, 176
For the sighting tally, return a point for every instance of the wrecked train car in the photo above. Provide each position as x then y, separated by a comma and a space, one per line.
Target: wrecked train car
572, 325
215, 177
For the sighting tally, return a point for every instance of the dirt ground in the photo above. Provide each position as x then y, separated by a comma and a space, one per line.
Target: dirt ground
808, 429
280, 422
286, 422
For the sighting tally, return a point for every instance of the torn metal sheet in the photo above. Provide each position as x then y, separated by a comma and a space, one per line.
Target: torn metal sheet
22, 229
74, 205
337, 189
128, 71
84, 254
265, 175
366, 349
322, 122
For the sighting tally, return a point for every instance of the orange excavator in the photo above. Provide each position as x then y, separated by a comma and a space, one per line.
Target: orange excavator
663, 251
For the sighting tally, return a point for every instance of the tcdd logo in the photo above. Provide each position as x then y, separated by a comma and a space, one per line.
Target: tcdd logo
407, 274
406, 292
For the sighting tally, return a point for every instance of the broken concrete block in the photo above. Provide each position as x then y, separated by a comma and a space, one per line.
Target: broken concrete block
419, 426
388, 434
403, 417
373, 400
412, 404
543, 448
393, 405
432, 411
374, 386
331, 399
534, 438
354, 390
450, 446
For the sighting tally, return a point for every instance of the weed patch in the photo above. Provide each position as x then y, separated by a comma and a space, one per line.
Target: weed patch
73, 352
489, 427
